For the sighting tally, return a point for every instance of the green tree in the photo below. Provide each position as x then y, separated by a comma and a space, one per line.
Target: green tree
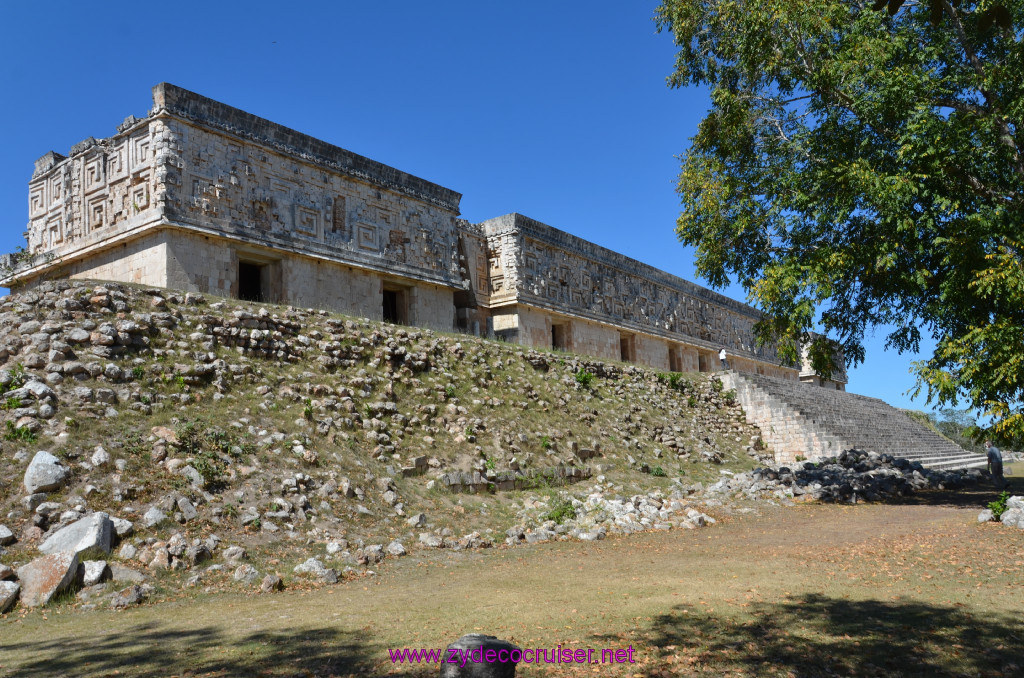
960, 427
860, 168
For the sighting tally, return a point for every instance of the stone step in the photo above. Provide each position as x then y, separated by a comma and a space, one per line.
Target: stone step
798, 419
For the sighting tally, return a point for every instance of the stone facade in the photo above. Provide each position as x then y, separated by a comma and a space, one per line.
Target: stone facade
200, 196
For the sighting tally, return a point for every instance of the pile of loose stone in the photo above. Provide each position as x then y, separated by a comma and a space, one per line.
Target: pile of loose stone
605, 511
76, 543
853, 476
1012, 516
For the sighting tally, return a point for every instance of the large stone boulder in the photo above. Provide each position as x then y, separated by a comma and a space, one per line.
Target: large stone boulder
45, 473
153, 517
8, 595
314, 568
481, 656
34, 390
1014, 517
95, 531
133, 595
6, 536
94, 571
45, 577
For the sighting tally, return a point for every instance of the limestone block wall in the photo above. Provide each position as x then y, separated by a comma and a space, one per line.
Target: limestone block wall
651, 351
534, 327
142, 261
689, 359
209, 264
594, 339
200, 264
322, 284
431, 306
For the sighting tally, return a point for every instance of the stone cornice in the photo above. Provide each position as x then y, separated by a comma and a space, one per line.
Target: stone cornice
181, 103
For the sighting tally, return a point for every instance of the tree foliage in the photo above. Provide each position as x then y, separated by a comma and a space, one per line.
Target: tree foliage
861, 168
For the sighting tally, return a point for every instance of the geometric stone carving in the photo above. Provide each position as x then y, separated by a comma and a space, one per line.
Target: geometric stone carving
117, 168
36, 201
139, 150
94, 174
307, 221
55, 230
96, 214
368, 237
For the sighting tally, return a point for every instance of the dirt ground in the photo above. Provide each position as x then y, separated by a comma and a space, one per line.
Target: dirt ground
917, 588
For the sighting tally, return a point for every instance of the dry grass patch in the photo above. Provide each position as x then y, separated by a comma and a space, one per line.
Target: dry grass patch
806, 591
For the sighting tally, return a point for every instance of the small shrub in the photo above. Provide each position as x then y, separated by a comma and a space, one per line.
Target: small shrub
489, 464
449, 392
717, 385
19, 433
676, 381
584, 378
206, 447
998, 507
212, 469
190, 435
12, 403
133, 442
545, 443
17, 376
658, 472
730, 396
138, 373
691, 401
307, 410
562, 511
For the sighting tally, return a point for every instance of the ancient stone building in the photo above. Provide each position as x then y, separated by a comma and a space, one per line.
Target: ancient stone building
205, 197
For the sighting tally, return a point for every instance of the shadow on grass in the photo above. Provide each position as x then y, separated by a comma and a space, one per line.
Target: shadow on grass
971, 496
151, 651
822, 636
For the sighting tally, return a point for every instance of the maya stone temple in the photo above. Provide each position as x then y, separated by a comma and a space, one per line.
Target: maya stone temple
200, 196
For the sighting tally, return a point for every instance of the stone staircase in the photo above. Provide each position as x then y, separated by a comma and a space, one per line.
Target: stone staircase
802, 420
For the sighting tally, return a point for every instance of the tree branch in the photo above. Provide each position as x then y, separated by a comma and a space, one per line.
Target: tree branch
1006, 136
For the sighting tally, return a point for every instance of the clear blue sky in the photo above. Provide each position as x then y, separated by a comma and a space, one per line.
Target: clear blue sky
556, 110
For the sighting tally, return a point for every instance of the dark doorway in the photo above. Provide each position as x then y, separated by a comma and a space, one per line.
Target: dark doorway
394, 307
560, 337
627, 348
674, 362
250, 285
